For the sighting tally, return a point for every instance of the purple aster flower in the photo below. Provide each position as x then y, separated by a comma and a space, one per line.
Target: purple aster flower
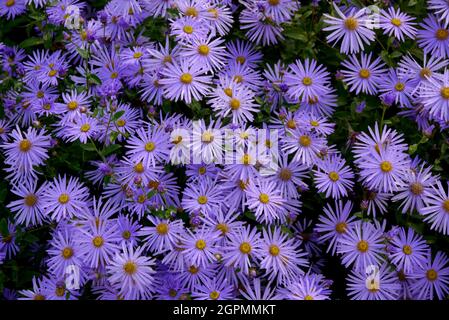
307, 81
243, 53
208, 53
441, 8
384, 285
351, 27
255, 291
204, 196
398, 86
334, 223
12, 8
408, 250
186, 29
289, 177
131, 273
8, 243
305, 146
54, 288
361, 245
37, 293
64, 198
259, 28
365, 75
185, 81
219, 17
199, 247
307, 287
436, 209
419, 73
243, 249
394, 22
433, 37
29, 209
333, 176
213, 289
129, 230
435, 96
163, 235
265, 200
283, 258
102, 169
242, 74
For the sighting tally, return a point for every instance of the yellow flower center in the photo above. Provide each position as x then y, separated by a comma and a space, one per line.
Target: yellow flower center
150, 146
314, 123
98, 241
246, 159
120, 122
228, 92
203, 50
126, 234
308, 297
274, 250
207, 137
362, 246
446, 205
85, 127
431, 275
234, 104
214, 12
177, 140
291, 124
39, 297
137, 55
188, 29
445, 92
202, 170
334, 176
245, 248
386, 166
153, 184
191, 12
200, 244
40, 94
52, 73
416, 188
10, 3
162, 228
67, 253
351, 23
396, 22
202, 199
285, 174
114, 75
168, 59
214, 295
130, 267
240, 59
305, 141
274, 2
141, 199
425, 73
340, 227
223, 227
139, 168
399, 86
186, 78
72, 105
25, 145
60, 291
364, 73
442, 34
30, 200
238, 79
264, 198
307, 81
64, 198
407, 249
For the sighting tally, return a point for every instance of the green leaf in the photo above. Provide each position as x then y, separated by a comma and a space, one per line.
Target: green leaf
117, 115
83, 53
110, 149
89, 147
31, 42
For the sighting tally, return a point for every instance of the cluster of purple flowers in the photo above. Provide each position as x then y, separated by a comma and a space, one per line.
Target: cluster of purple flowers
132, 230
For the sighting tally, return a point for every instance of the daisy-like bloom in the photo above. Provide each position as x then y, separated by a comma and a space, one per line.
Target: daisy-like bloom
185, 81
55, 289
375, 202
265, 200
361, 245
186, 29
199, 247
29, 209
243, 53
64, 251
399, 87
129, 229
37, 293
98, 243
289, 177
435, 96
225, 223
351, 27
253, 290
314, 123
149, 145
73, 105
417, 186
64, 198
382, 284
408, 250
209, 53
207, 143
365, 75
5, 129
333, 176
436, 209
26, 149
307, 287
238, 103
419, 73
12, 8
203, 196
81, 129
213, 289
281, 257
8, 243
432, 279
243, 249
103, 169
384, 170
441, 8
131, 273
243, 74
394, 22
163, 235
131, 171
433, 37
219, 17
307, 80
280, 10
259, 28
305, 146
334, 223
